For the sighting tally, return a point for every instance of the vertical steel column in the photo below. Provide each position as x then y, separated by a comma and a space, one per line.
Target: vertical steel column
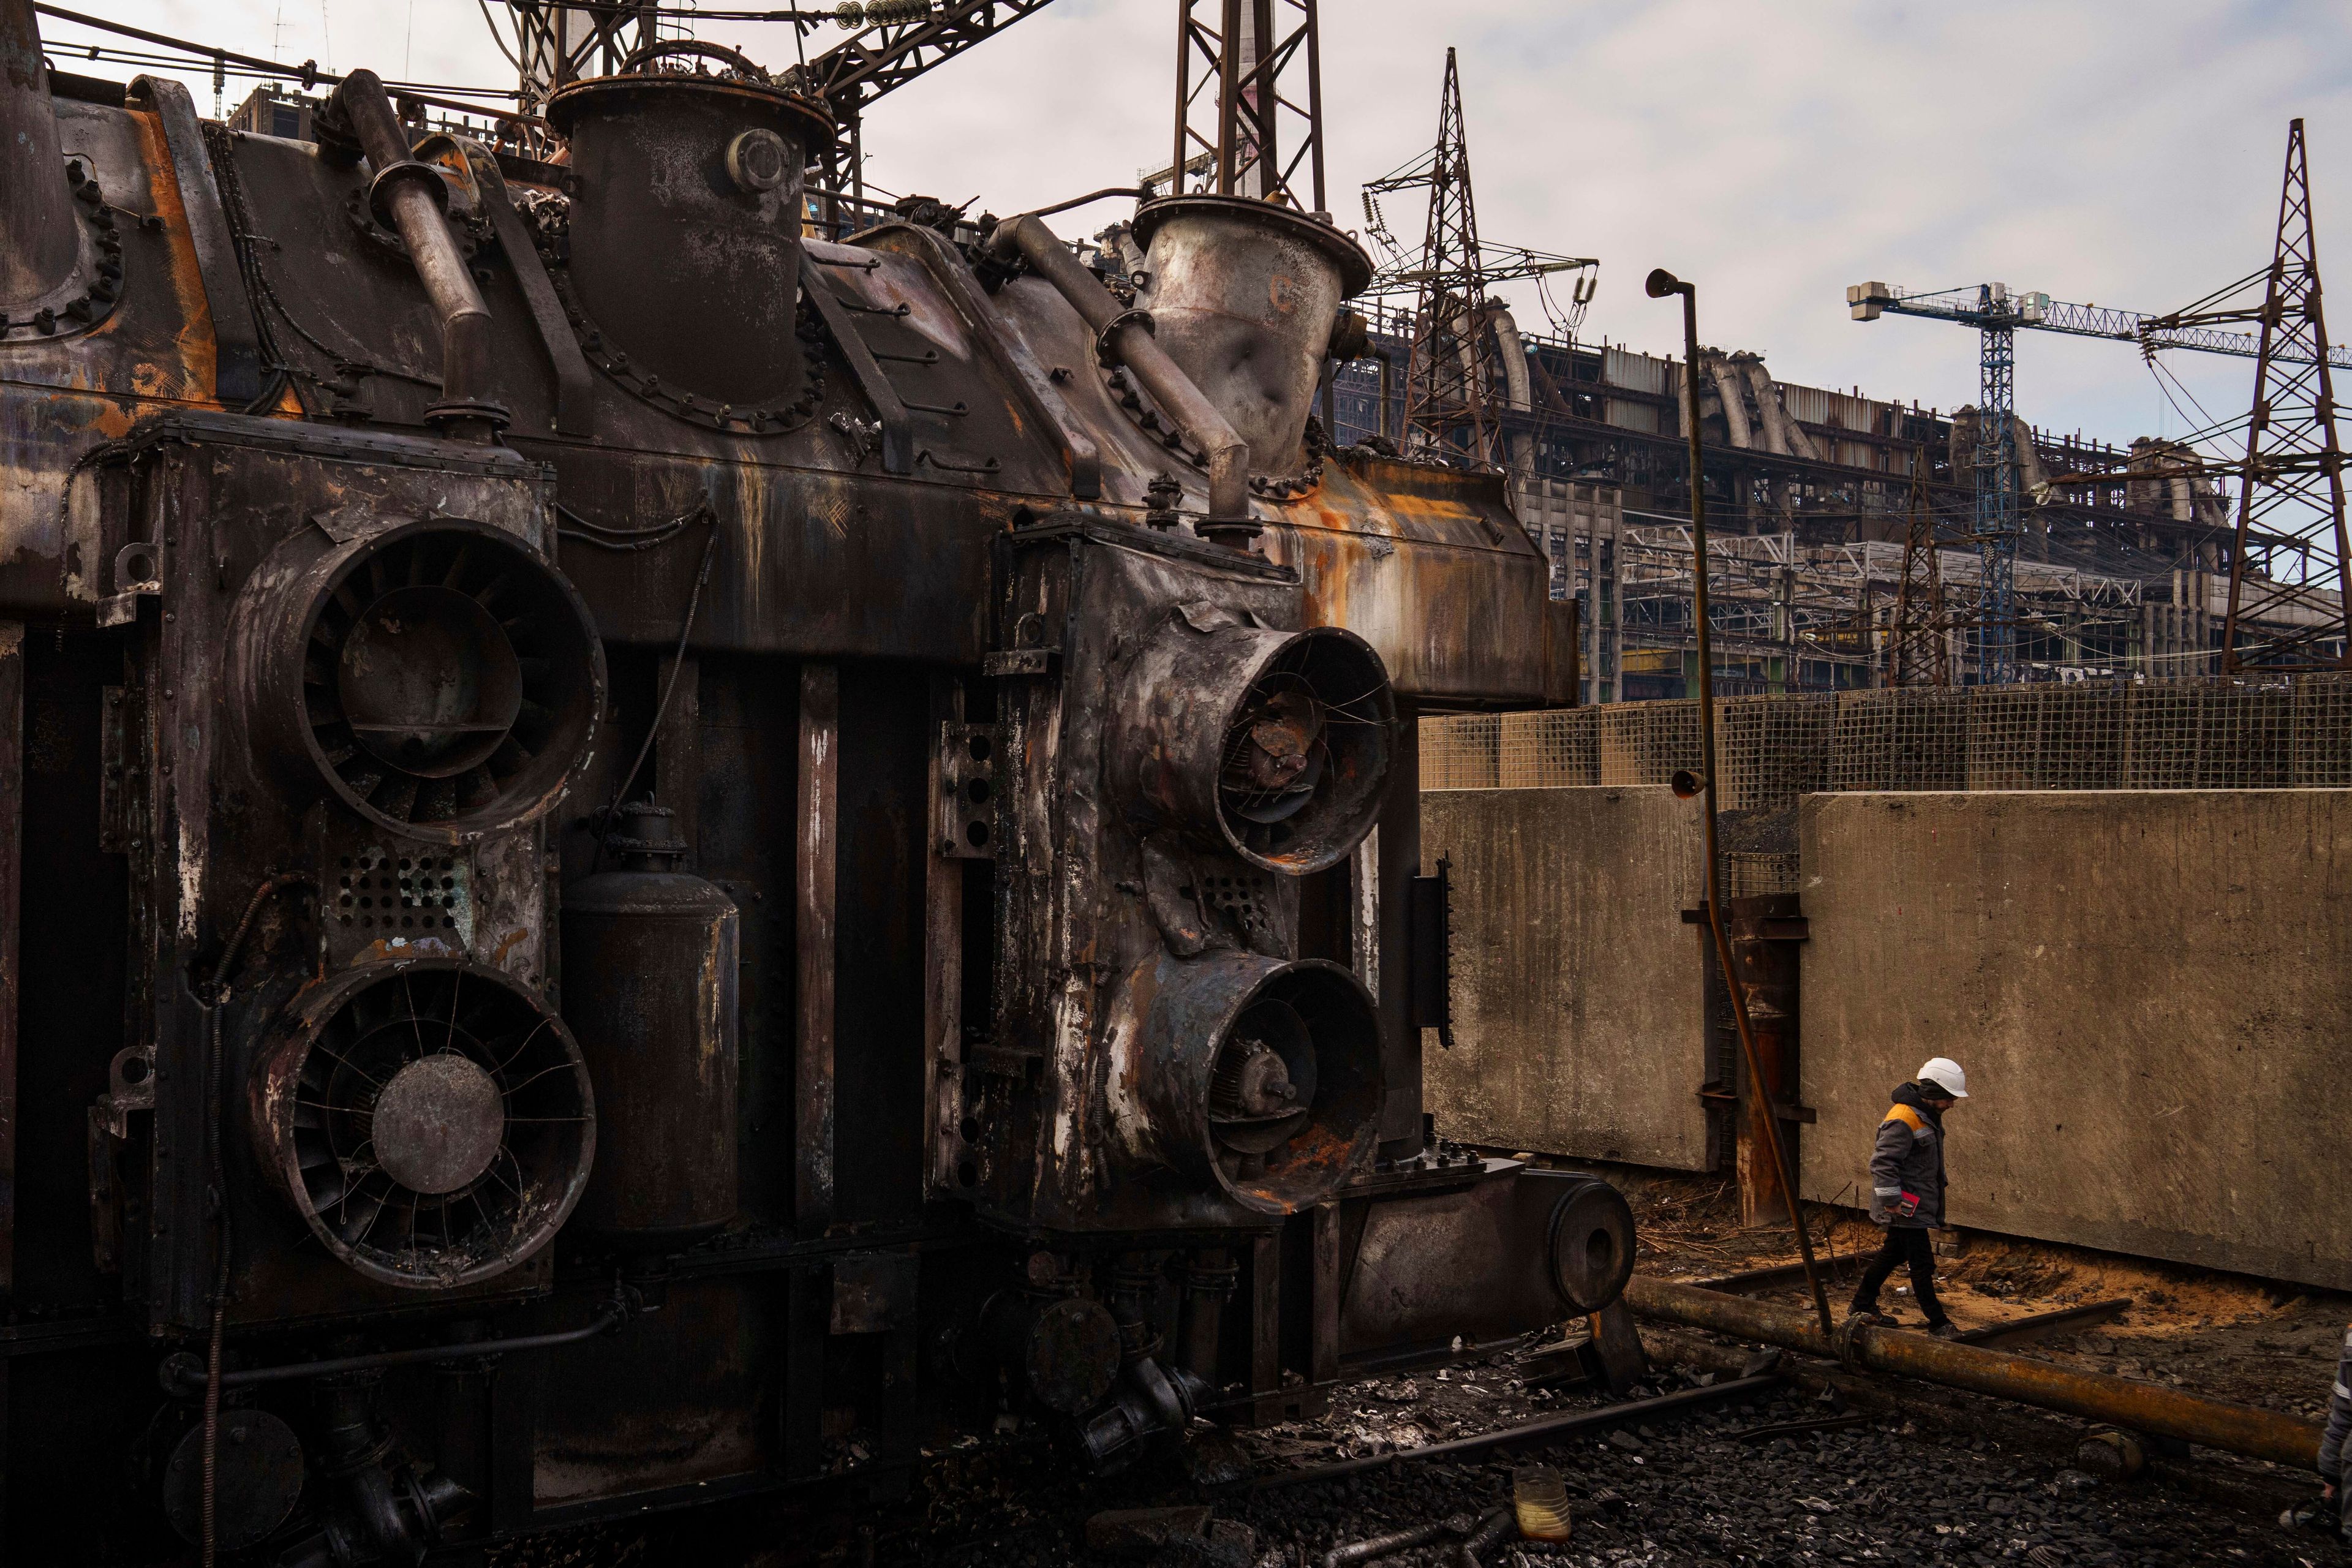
1229, 98
12, 826
1764, 965
942, 964
1400, 863
1661, 284
816, 842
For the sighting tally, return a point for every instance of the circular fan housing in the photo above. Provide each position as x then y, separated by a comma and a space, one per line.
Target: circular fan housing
1261, 1074
430, 1121
438, 676
1273, 744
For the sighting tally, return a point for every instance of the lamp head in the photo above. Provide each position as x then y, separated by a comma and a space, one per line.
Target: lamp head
1663, 283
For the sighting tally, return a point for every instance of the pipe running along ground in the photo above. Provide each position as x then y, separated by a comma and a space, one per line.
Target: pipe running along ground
1125, 336
2093, 1397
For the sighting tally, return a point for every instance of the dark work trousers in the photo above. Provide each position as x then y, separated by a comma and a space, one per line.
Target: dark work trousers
1904, 1244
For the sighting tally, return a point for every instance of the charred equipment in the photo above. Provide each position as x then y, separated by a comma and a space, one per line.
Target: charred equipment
643, 857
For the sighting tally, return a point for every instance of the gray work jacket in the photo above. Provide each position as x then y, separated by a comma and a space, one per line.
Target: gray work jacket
2339, 1417
1908, 1158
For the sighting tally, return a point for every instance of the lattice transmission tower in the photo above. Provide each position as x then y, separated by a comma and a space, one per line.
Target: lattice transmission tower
1920, 650
2290, 566
1450, 411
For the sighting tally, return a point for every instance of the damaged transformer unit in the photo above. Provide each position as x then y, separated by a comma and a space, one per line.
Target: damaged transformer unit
645, 857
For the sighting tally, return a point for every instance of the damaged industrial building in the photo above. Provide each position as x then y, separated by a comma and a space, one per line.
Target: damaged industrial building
674, 841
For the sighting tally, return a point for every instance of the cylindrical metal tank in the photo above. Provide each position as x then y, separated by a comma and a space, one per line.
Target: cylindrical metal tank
1244, 295
686, 226
36, 220
649, 989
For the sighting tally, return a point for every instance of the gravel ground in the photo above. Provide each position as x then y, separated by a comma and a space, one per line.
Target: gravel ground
1687, 1492
1937, 1488
1663, 1496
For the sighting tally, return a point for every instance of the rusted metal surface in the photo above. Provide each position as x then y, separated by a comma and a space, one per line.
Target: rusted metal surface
12, 825
1178, 1039
1764, 962
714, 162
815, 837
430, 1122
394, 503
2095, 1397
1124, 337
1543, 1246
39, 237
1245, 295
653, 953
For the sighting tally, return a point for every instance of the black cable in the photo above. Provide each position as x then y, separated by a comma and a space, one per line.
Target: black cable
604, 536
669, 689
220, 148
217, 995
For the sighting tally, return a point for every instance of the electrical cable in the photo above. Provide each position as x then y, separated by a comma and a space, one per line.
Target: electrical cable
669, 689
217, 995
309, 74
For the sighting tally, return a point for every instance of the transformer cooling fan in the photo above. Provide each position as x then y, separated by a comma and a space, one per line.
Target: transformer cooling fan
440, 669
433, 1125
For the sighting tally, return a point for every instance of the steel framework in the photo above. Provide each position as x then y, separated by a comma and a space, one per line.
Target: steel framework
891, 42
1918, 652
2293, 480
1450, 373
1234, 124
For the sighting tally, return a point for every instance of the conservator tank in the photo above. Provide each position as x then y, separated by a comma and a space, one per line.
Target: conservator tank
650, 956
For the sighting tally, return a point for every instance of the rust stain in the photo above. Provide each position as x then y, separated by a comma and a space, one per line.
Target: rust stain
192, 376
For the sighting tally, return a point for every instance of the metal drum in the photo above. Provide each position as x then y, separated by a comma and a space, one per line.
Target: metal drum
650, 977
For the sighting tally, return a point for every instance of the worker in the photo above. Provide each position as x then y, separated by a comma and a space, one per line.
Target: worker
2332, 1514
1907, 1191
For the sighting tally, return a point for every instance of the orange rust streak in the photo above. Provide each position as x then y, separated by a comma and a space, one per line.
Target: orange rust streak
197, 367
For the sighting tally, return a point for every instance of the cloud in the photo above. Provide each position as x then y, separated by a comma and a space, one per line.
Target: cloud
2108, 153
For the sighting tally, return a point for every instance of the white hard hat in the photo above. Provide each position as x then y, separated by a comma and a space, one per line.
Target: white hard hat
1944, 1073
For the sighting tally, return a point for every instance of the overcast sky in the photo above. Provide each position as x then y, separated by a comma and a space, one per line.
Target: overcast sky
2119, 153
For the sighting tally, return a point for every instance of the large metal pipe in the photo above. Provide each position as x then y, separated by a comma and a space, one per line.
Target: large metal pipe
1127, 336
2094, 1397
39, 240
412, 198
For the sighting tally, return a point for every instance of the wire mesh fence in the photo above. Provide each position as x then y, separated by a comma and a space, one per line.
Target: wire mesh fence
2258, 732
1901, 738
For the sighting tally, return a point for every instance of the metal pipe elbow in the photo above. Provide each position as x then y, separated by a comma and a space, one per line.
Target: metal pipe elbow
1125, 336
411, 198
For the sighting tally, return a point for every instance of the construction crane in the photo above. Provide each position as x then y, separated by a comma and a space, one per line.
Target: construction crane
1998, 314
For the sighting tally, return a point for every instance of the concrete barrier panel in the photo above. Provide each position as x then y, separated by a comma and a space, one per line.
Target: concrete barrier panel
1576, 987
2151, 993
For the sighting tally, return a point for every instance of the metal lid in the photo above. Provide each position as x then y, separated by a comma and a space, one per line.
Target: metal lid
740, 81
645, 828
1355, 267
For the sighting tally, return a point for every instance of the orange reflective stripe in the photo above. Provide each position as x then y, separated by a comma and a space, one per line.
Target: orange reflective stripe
1905, 1115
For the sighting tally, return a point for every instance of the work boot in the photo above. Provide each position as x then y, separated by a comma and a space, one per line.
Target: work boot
1943, 1330
1870, 1316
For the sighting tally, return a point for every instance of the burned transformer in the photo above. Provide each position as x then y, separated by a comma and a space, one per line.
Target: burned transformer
646, 857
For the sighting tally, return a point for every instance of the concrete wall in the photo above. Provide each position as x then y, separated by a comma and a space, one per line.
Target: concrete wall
2151, 993
1576, 997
